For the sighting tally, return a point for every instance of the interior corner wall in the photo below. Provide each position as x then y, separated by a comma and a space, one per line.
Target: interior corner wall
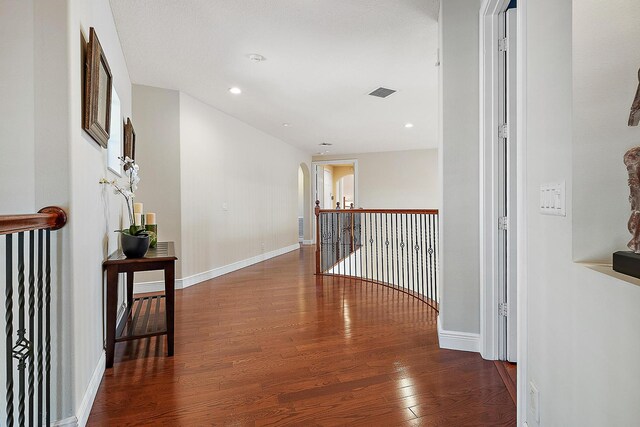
605, 78
568, 333
157, 126
239, 189
395, 179
94, 211
459, 146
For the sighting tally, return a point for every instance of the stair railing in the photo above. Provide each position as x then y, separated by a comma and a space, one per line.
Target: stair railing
28, 274
393, 247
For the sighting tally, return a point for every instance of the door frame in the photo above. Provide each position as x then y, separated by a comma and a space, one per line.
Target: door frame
489, 119
313, 184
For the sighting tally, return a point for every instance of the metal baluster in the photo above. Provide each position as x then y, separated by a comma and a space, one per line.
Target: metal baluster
413, 251
386, 243
397, 254
417, 254
367, 250
19, 350
423, 248
48, 328
393, 272
40, 325
402, 244
410, 251
360, 244
9, 327
375, 217
435, 256
431, 289
32, 304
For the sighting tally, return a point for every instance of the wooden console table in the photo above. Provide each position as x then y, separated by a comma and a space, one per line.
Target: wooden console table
144, 317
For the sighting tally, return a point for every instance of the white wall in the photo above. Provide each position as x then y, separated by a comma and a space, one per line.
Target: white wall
226, 161
17, 106
396, 179
605, 77
459, 148
583, 340
157, 126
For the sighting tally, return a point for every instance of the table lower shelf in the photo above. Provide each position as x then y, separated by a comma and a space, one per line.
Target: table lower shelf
146, 317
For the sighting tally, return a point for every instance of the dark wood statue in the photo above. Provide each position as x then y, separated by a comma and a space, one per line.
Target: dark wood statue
634, 117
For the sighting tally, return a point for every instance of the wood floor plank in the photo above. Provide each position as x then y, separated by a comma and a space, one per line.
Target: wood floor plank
274, 345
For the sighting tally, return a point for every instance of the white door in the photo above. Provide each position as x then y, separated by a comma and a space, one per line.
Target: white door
507, 196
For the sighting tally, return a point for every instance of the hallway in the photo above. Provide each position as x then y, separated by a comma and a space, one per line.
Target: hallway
268, 345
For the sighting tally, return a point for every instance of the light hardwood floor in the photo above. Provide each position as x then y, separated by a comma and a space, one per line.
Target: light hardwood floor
273, 345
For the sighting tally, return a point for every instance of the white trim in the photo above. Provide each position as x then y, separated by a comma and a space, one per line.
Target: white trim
307, 242
522, 376
67, 422
158, 286
454, 340
489, 121
84, 410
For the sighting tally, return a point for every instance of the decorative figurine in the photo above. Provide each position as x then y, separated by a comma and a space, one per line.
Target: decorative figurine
632, 162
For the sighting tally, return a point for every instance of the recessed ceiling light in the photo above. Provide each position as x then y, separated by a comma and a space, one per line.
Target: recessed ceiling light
325, 144
235, 90
286, 125
408, 125
256, 57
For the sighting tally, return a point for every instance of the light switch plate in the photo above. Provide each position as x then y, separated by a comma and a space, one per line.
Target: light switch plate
552, 199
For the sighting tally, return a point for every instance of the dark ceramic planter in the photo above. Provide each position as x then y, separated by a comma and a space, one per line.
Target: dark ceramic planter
134, 246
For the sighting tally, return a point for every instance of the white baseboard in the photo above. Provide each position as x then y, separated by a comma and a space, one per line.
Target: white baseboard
67, 422
82, 416
454, 340
158, 286
307, 242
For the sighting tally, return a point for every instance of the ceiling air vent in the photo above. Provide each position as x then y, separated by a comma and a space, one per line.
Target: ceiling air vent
382, 92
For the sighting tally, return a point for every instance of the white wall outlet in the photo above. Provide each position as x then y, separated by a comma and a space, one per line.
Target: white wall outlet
225, 207
534, 402
552, 199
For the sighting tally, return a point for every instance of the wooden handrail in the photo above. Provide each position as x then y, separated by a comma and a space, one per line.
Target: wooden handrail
389, 211
51, 217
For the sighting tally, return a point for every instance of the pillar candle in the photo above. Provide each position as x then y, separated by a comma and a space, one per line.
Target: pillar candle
150, 219
137, 218
137, 208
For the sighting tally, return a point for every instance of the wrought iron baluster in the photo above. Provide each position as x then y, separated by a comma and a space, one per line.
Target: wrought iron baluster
375, 218
402, 244
40, 324
422, 246
435, 257
393, 270
9, 327
431, 289
32, 312
20, 350
48, 328
386, 243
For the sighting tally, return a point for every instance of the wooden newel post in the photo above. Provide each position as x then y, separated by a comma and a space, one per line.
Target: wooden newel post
317, 211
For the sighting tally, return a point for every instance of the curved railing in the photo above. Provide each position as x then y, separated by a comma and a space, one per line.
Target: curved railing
393, 247
27, 367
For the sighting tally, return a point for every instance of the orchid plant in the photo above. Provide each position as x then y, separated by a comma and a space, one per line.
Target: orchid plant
127, 190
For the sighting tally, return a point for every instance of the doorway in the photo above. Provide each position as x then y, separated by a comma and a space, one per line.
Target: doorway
499, 175
304, 203
335, 184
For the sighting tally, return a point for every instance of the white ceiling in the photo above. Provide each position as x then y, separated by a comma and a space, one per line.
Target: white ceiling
323, 58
